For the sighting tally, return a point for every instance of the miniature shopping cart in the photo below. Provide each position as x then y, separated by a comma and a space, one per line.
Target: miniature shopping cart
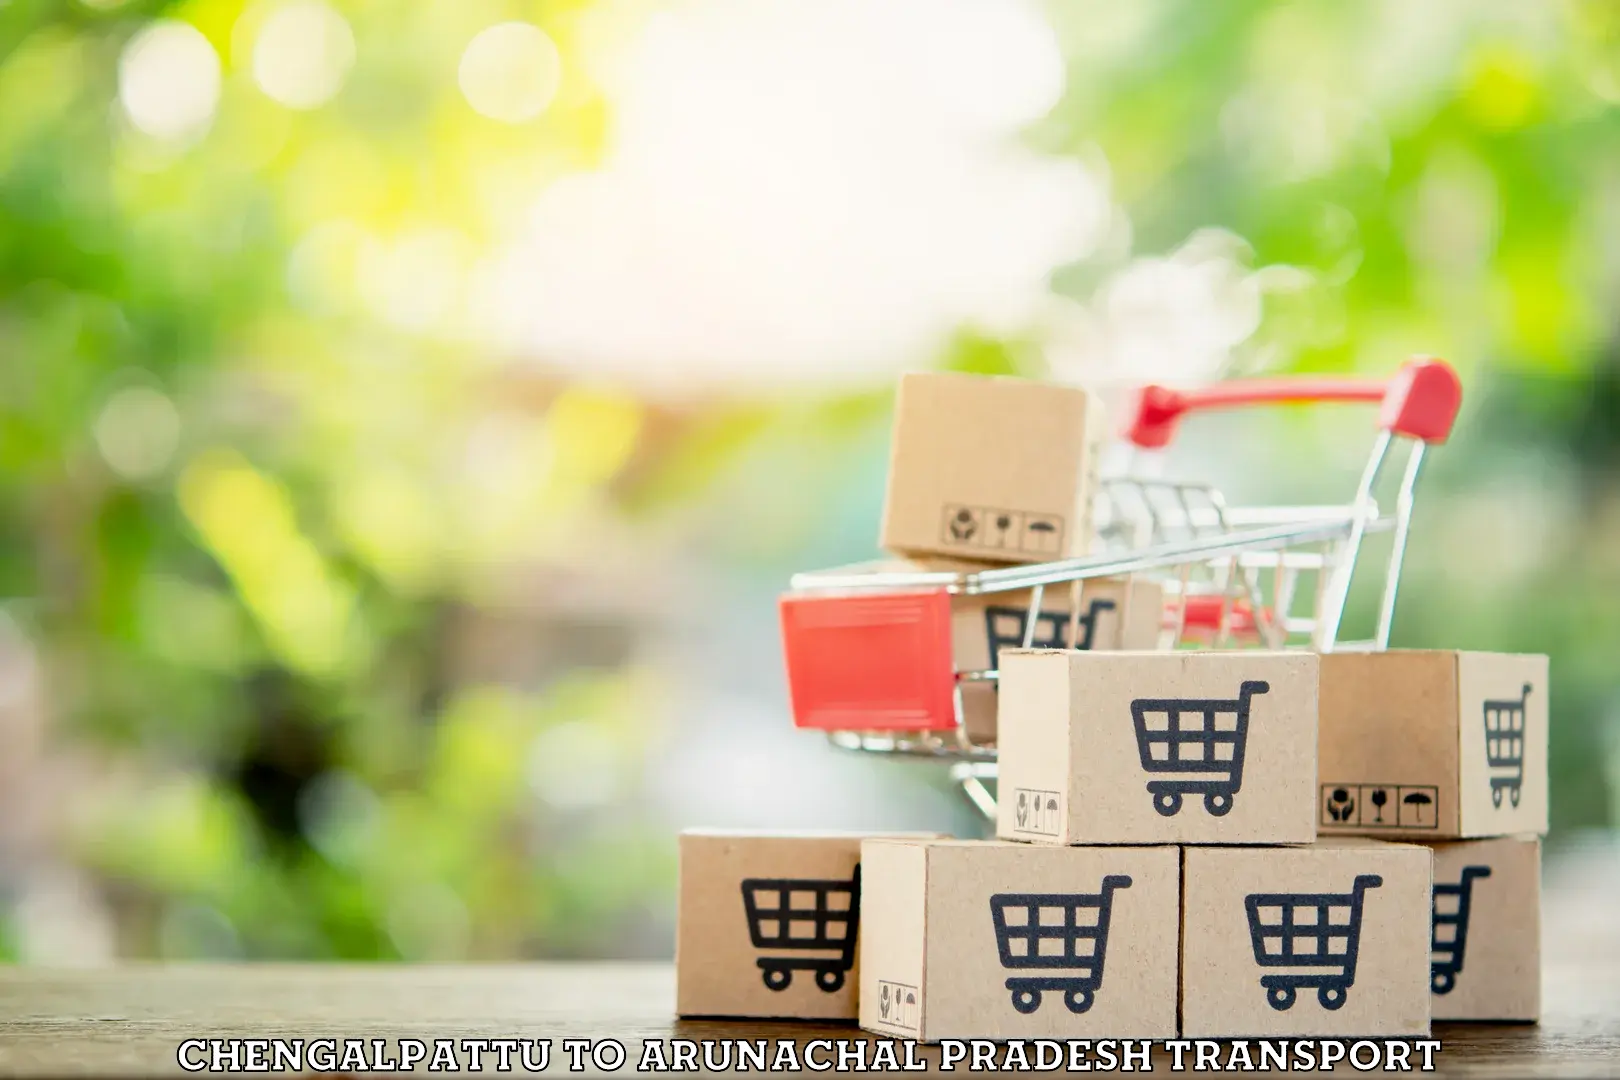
1504, 746
808, 916
1448, 937
869, 655
1317, 933
1063, 934
1206, 750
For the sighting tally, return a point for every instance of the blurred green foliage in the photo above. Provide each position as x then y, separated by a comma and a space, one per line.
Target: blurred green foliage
237, 534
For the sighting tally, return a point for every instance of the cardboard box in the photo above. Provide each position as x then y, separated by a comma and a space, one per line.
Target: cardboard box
1485, 962
1157, 747
981, 939
1429, 745
1328, 939
991, 468
735, 955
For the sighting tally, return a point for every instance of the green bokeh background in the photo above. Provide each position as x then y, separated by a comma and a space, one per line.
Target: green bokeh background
282, 691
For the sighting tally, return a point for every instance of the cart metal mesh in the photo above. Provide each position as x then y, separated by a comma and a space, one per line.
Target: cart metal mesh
1448, 935
1504, 746
1057, 932
804, 915
1317, 932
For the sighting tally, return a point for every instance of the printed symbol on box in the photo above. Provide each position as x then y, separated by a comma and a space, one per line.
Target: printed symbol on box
1004, 529
1311, 932
804, 915
962, 524
1061, 933
1043, 534
897, 1004
1339, 805
1449, 934
1005, 627
1417, 807
1037, 811
1202, 739
1504, 746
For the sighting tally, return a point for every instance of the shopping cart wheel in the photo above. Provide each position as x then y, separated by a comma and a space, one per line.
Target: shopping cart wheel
1331, 997
1218, 803
1442, 982
829, 980
1281, 997
1167, 803
1496, 796
1513, 793
777, 978
1078, 1001
1026, 1001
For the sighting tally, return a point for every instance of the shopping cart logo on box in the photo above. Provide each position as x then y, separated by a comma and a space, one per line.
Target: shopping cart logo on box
1504, 746
1318, 934
1063, 934
1007, 627
1449, 936
1200, 741
804, 915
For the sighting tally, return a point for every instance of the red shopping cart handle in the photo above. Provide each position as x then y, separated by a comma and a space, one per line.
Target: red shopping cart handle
1204, 614
1420, 401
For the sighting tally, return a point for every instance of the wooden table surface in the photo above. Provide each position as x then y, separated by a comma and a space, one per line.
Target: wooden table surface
131, 1020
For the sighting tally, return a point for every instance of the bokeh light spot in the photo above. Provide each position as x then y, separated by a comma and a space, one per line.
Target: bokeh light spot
137, 432
168, 81
510, 72
302, 54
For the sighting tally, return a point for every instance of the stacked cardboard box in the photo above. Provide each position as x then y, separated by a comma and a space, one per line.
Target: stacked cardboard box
1157, 868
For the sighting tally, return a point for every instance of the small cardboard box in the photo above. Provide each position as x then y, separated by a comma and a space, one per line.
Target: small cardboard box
767, 924
981, 939
1157, 747
1321, 940
1429, 745
1486, 958
992, 468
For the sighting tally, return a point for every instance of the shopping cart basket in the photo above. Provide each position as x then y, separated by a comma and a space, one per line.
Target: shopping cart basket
1504, 746
1207, 752
869, 655
1066, 934
804, 915
1320, 931
1446, 956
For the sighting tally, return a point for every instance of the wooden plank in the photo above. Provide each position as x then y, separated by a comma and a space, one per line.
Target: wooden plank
131, 1019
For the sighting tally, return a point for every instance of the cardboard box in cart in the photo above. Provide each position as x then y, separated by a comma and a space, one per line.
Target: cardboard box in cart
1485, 962
992, 468
1326, 939
980, 939
1114, 614
1157, 747
1433, 744
767, 924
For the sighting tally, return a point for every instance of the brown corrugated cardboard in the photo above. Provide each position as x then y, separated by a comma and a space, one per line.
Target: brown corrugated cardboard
1255, 964
992, 468
982, 939
1157, 747
1486, 946
1430, 745
734, 953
